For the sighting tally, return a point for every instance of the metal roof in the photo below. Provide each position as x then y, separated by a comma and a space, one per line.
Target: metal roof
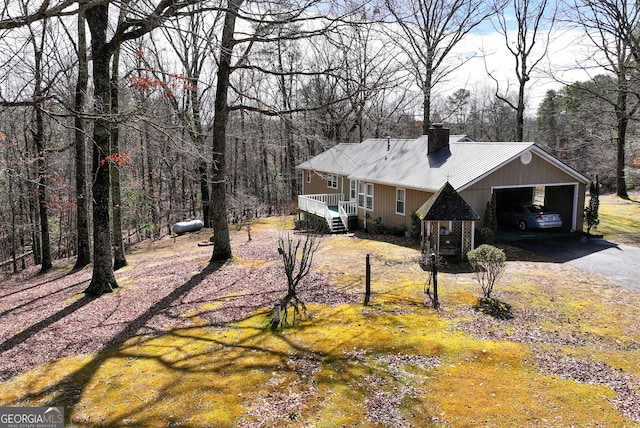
341, 159
405, 163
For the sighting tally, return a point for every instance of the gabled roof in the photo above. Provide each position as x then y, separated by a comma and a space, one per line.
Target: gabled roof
408, 165
345, 158
446, 204
405, 163
341, 159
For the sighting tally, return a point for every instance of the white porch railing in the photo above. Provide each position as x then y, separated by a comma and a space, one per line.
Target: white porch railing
319, 205
346, 209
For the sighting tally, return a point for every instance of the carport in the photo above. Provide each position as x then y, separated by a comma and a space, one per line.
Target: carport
559, 197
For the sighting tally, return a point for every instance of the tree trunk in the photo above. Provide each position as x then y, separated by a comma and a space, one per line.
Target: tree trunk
153, 205
236, 170
221, 241
198, 136
426, 93
621, 182
82, 210
13, 238
290, 169
34, 217
103, 279
621, 134
204, 194
267, 186
520, 112
38, 137
245, 166
119, 260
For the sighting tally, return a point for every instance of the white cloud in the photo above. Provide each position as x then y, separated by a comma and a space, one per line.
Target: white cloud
566, 61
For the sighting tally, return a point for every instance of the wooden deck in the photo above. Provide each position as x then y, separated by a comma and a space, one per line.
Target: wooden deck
331, 207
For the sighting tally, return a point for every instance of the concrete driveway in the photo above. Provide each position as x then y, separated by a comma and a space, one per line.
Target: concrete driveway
618, 262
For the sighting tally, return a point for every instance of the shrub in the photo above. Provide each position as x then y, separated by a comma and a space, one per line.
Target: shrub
487, 235
416, 225
378, 226
490, 221
488, 262
591, 216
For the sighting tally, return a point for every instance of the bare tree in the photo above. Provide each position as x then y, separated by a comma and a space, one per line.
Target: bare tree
297, 257
38, 135
267, 20
15, 226
429, 30
30, 96
102, 49
221, 242
82, 207
119, 259
370, 67
530, 19
612, 28
192, 40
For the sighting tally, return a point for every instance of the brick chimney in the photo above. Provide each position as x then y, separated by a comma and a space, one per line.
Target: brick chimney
438, 138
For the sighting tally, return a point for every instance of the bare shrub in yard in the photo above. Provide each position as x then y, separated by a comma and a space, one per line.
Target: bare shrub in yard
297, 257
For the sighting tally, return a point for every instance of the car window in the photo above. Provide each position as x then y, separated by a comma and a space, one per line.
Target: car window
536, 208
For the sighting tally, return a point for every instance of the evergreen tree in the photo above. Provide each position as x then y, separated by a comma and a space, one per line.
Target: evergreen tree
591, 216
490, 221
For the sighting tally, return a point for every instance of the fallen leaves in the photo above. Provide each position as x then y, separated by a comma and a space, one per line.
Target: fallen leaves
626, 387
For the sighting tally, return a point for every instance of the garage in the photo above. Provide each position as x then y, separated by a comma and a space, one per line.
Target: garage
560, 198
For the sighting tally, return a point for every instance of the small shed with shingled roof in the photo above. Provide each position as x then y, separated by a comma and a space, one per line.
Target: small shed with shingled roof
447, 223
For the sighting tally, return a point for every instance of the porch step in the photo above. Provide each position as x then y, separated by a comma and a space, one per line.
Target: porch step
337, 226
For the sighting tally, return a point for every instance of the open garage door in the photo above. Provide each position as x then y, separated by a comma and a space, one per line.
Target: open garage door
509, 196
558, 197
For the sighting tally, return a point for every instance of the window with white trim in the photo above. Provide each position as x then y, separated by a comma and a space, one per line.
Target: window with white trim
353, 190
332, 181
369, 197
400, 200
361, 191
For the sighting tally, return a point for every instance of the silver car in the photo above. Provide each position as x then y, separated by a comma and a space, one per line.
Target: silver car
533, 216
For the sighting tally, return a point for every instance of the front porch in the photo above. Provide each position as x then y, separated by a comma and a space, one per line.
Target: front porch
331, 208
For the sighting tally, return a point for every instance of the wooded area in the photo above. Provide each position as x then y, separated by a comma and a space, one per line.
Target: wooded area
166, 110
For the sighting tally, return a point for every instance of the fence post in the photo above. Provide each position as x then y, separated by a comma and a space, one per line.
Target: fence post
367, 292
434, 272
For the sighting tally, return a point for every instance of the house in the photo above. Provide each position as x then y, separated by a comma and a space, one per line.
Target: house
387, 180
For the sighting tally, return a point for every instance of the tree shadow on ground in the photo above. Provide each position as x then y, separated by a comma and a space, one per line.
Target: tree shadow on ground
256, 352
559, 249
39, 326
80, 377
